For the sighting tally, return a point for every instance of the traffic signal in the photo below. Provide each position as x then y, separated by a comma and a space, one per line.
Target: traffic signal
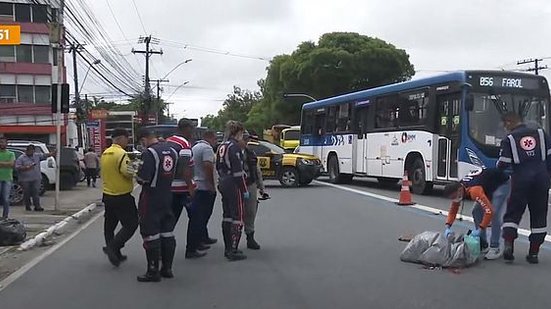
64, 98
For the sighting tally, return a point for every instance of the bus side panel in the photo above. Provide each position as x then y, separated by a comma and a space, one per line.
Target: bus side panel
342, 147
387, 152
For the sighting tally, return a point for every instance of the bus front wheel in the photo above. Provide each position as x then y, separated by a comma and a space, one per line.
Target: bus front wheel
417, 177
334, 172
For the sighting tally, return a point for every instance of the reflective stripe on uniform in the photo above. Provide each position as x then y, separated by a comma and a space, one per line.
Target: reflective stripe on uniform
514, 149
152, 237
157, 163
167, 235
510, 225
542, 144
237, 222
549, 152
539, 230
238, 174
505, 160
227, 220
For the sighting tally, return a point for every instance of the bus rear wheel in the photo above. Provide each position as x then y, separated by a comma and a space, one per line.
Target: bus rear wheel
417, 177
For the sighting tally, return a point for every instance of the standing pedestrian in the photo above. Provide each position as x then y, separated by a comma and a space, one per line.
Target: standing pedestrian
183, 186
255, 183
529, 152
205, 196
7, 160
120, 206
91, 162
30, 177
229, 164
156, 218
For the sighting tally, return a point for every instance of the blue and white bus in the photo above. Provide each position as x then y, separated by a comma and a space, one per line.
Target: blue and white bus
436, 129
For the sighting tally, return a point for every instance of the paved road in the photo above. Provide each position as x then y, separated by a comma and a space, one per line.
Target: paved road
322, 248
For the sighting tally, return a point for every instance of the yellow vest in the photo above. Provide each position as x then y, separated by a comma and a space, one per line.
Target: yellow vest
114, 171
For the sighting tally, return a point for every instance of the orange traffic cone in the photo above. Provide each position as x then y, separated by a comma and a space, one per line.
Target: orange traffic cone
405, 194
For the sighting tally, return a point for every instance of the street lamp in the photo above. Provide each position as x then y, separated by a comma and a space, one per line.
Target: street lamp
176, 67
182, 85
96, 62
298, 95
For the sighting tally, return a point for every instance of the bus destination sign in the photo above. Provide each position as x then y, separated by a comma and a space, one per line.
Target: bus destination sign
508, 82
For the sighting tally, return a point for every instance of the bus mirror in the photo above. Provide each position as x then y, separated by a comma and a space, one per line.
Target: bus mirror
469, 102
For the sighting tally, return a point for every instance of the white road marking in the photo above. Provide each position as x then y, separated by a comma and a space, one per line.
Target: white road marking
523, 232
20, 272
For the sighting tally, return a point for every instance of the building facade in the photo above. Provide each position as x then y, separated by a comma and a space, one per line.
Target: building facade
27, 72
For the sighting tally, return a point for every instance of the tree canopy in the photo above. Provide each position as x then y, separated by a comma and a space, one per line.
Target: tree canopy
237, 106
339, 63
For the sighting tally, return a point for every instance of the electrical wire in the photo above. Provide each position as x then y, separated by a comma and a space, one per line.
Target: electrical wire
139, 16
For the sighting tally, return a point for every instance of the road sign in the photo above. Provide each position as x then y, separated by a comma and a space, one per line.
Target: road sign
99, 114
10, 35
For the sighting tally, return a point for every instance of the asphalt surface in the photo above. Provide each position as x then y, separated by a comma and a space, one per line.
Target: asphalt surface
321, 248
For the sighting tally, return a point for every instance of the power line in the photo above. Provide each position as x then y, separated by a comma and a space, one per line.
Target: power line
211, 50
139, 16
536, 63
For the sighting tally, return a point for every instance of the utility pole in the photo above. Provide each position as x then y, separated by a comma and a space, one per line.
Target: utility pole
536, 69
60, 72
148, 52
157, 110
74, 49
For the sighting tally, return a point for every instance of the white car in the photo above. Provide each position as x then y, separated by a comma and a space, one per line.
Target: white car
47, 167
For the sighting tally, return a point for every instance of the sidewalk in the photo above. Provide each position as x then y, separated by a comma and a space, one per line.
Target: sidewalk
71, 202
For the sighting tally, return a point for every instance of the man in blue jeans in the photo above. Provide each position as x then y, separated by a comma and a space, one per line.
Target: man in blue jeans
499, 202
7, 159
205, 196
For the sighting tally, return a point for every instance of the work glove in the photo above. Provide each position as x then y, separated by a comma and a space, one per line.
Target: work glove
448, 231
475, 233
246, 195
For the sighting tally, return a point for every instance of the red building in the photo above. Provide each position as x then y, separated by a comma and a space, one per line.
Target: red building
28, 71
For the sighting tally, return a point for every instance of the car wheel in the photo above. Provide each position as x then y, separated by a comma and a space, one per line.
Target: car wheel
416, 175
16, 194
289, 177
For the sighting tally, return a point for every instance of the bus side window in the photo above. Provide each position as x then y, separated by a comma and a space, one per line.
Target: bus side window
307, 122
387, 113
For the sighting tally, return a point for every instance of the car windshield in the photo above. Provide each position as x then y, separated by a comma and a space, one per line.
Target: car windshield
273, 148
292, 135
485, 118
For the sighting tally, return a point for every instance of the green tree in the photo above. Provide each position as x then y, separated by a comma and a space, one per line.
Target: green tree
341, 62
237, 106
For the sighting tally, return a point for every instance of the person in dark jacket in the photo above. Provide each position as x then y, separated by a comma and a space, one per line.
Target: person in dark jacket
232, 186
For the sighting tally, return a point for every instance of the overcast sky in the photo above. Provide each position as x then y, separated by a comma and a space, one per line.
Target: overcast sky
438, 35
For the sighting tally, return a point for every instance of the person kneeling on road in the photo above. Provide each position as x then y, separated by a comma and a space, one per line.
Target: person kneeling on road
477, 186
157, 220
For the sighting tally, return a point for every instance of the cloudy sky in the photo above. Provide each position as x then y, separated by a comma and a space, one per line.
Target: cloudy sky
438, 35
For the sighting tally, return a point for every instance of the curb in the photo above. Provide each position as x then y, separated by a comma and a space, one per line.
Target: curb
56, 229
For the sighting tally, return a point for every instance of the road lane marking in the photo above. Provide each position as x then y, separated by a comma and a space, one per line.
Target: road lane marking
21, 271
523, 232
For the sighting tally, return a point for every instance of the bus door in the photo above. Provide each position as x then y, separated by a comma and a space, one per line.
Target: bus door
360, 141
449, 107
319, 132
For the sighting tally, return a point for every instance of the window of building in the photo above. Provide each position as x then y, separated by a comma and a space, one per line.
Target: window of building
7, 53
413, 106
40, 14
54, 57
6, 9
23, 13
7, 93
25, 94
41, 54
42, 94
24, 53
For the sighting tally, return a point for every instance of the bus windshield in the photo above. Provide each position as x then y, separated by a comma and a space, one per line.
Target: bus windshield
485, 118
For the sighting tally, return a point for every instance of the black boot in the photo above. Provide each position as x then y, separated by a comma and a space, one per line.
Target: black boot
152, 275
251, 242
532, 256
508, 252
168, 248
226, 233
112, 255
235, 254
